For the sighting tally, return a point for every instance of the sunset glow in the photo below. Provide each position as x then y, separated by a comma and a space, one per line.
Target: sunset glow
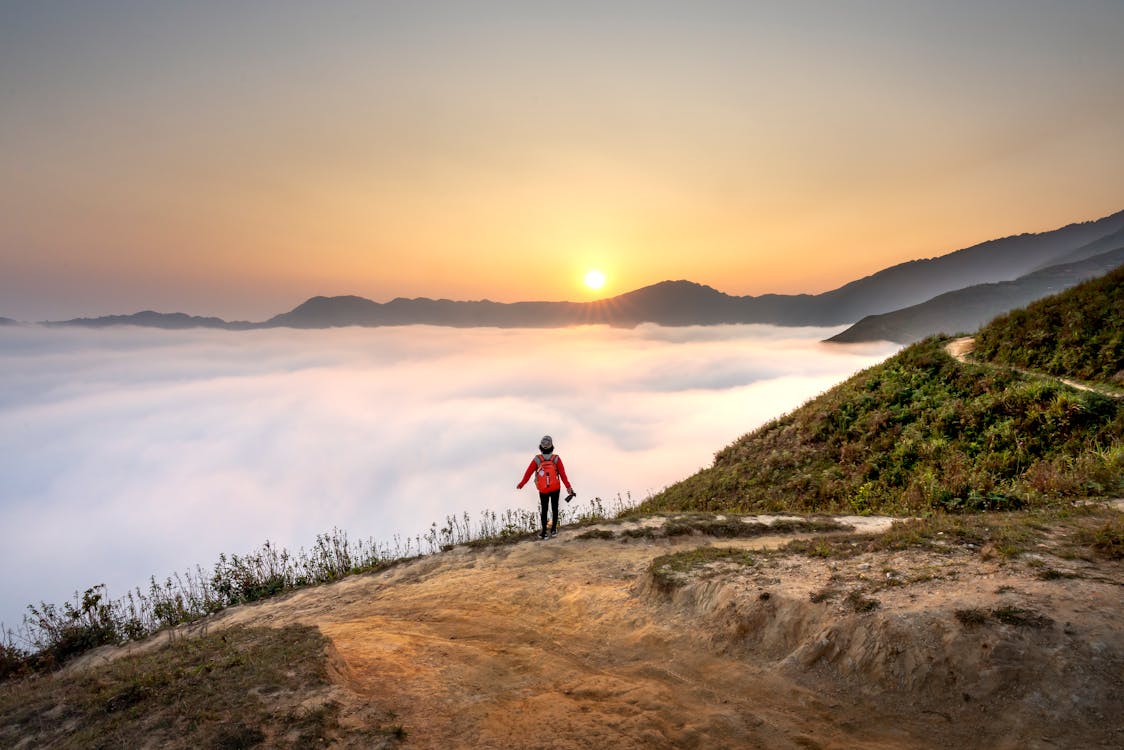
595, 279
236, 159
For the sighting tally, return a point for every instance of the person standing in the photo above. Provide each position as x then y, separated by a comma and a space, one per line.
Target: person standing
550, 475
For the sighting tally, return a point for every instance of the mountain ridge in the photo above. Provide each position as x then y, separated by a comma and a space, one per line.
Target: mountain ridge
971, 307
682, 302
153, 319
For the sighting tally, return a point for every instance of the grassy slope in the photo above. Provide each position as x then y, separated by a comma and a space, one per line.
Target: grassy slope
923, 432
1079, 334
241, 688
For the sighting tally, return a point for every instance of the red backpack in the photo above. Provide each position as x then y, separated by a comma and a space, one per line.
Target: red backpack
546, 477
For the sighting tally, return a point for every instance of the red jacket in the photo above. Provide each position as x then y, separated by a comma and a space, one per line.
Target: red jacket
557, 463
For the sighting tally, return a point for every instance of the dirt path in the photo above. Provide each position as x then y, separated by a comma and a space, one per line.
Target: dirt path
549, 645
961, 349
568, 644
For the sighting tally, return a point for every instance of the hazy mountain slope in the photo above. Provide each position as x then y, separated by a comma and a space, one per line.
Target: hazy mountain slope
670, 303
326, 312
688, 303
1103, 245
969, 308
322, 312
1079, 334
151, 319
7, 322
997, 260
922, 431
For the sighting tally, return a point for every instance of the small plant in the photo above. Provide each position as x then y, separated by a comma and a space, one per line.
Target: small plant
1108, 540
819, 548
669, 572
859, 603
13, 661
642, 532
978, 502
828, 547
1050, 574
971, 618
823, 595
1019, 617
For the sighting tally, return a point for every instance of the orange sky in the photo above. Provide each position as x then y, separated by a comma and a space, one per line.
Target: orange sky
237, 161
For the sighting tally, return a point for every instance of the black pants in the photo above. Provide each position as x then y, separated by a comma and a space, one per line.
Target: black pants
550, 498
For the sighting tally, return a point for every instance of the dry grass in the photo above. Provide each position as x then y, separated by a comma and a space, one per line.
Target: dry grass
241, 688
1086, 532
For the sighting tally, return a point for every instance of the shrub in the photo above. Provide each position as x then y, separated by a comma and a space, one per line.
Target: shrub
1106, 540
85, 624
1020, 617
13, 661
971, 617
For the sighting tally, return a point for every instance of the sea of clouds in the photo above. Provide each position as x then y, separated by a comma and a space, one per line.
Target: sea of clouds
130, 452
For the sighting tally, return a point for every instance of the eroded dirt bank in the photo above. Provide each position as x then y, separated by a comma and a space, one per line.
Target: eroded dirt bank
570, 643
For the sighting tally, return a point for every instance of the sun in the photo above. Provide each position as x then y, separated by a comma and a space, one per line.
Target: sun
595, 279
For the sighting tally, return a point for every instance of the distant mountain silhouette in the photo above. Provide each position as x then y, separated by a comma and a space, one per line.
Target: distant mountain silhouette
670, 303
8, 322
966, 310
675, 303
687, 303
1103, 245
150, 319
324, 312
666, 303
988, 262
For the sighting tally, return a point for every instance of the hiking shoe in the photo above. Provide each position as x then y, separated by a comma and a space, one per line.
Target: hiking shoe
542, 535
554, 532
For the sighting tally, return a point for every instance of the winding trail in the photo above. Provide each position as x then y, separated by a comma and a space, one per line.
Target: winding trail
961, 349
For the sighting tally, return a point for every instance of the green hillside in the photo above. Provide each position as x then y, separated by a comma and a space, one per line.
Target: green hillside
1078, 334
923, 432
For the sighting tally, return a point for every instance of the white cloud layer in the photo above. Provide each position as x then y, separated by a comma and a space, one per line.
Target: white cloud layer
130, 452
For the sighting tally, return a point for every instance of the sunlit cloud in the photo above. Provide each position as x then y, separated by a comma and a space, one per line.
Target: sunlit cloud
130, 452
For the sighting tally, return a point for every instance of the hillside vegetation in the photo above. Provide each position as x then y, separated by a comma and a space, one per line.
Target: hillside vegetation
244, 687
923, 432
1079, 334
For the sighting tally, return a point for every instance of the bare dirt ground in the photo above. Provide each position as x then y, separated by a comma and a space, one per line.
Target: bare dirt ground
960, 348
568, 643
